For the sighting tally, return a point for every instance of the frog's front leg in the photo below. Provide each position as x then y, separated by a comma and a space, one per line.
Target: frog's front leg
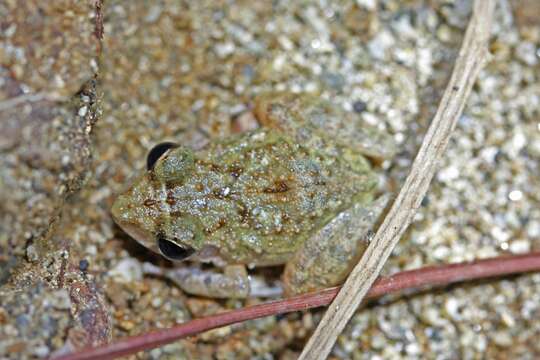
233, 282
327, 257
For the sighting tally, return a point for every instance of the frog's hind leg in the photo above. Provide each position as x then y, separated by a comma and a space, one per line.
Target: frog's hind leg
327, 257
233, 282
308, 117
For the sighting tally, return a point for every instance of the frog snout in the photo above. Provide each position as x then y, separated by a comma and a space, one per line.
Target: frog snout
121, 210
128, 216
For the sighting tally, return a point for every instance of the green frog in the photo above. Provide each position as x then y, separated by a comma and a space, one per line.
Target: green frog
298, 191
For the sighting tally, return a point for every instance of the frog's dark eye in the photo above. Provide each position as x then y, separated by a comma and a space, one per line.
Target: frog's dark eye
173, 251
157, 152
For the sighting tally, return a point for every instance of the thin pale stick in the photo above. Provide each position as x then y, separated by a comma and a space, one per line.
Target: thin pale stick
471, 59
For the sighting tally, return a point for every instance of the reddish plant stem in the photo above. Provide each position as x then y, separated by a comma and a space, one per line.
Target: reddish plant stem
427, 276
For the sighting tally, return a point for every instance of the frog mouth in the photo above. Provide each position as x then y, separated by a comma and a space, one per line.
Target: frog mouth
142, 236
210, 254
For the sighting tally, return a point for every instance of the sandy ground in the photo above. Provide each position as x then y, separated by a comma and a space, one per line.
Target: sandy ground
78, 114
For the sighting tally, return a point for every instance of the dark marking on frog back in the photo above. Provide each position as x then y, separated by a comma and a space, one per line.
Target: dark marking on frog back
279, 186
243, 212
210, 165
149, 202
235, 171
171, 200
221, 223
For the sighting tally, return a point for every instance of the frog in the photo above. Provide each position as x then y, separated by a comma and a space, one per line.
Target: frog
298, 192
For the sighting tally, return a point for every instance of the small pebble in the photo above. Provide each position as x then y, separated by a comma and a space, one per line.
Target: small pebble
83, 265
127, 270
359, 106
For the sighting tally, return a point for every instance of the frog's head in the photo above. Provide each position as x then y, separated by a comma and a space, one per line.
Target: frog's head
144, 210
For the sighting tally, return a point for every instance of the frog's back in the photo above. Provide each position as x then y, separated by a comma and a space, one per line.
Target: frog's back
258, 196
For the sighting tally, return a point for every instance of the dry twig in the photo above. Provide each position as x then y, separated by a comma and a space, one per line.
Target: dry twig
472, 56
428, 276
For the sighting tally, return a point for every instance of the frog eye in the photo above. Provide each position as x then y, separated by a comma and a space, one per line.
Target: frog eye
175, 166
157, 152
173, 251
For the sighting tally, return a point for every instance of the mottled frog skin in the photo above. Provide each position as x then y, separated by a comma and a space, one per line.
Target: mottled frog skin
262, 198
